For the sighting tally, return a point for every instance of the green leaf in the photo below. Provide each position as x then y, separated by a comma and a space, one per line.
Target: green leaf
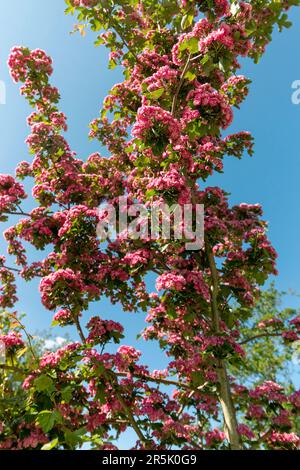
197, 379
66, 394
193, 45
74, 438
150, 193
21, 352
46, 420
50, 445
187, 20
44, 383
95, 24
156, 93
190, 76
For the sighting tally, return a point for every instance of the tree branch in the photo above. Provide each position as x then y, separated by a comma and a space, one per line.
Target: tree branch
148, 378
261, 335
12, 269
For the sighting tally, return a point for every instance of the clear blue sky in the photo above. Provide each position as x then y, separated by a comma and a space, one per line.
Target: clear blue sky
271, 177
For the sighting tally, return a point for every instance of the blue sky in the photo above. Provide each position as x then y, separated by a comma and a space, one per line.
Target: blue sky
271, 177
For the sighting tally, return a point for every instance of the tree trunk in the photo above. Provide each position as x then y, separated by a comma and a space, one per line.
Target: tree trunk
230, 420
228, 409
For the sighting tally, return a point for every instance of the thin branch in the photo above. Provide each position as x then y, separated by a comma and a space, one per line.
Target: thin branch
79, 329
12, 368
118, 395
196, 57
131, 418
190, 395
119, 31
19, 213
148, 378
261, 335
175, 98
13, 269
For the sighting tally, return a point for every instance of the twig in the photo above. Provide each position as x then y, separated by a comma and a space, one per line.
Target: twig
190, 395
148, 378
175, 98
131, 419
13, 269
18, 213
261, 335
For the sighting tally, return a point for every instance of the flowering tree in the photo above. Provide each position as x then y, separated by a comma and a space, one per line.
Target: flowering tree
163, 127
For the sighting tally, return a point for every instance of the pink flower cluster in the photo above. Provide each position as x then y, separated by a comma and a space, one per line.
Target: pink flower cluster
101, 331
256, 411
163, 78
221, 7
205, 98
11, 193
171, 179
22, 60
296, 322
186, 145
245, 431
149, 116
12, 340
126, 355
84, 3
272, 322
295, 399
52, 359
285, 438
170, 281
72, 216
61, 288
268, 390
178, 281
223, 36
215, 436
63, 317
137, 257
236, 89
35, 438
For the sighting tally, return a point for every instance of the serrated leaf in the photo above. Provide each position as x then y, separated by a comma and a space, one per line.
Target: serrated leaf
43, 383
74, 438
46, 419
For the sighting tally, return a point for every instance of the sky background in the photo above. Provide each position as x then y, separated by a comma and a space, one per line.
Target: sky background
271, 177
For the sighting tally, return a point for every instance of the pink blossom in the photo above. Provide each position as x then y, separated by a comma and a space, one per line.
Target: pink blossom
170, 281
